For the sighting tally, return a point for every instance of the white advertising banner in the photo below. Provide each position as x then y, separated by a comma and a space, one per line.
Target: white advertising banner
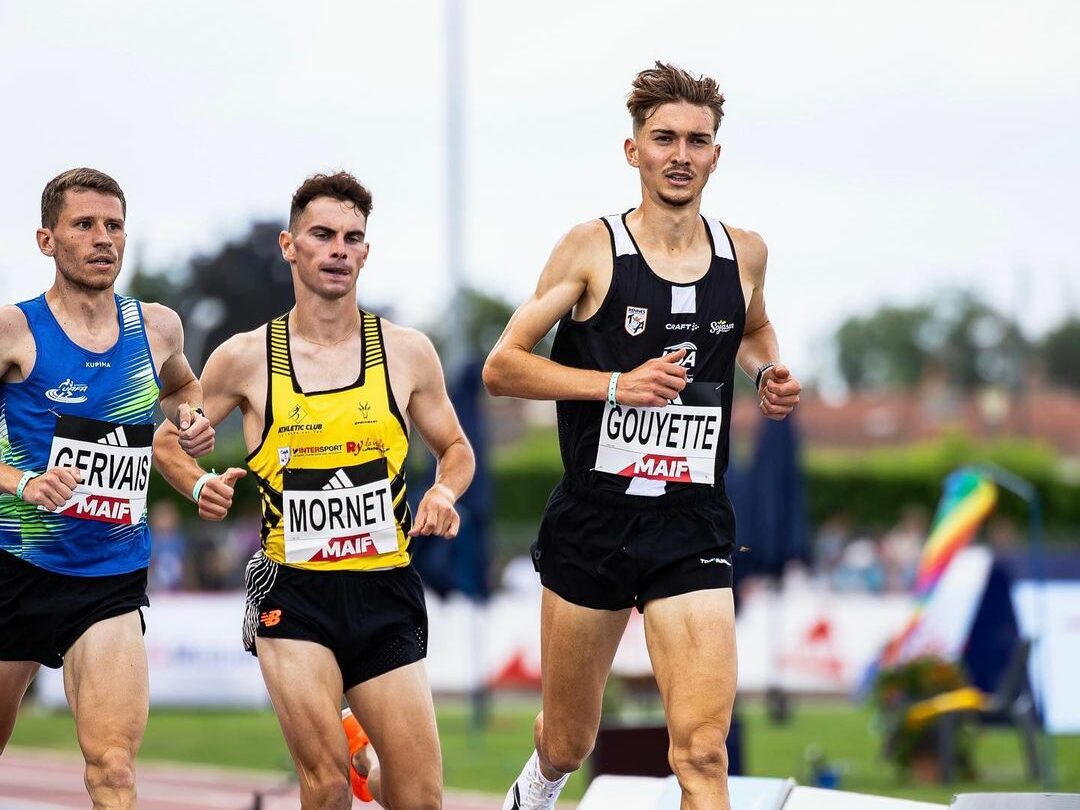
1050, 615
803, 640
195, 655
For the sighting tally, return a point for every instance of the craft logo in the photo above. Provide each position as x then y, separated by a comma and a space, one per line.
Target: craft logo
681, 327
720, 327
68, 392
635, 320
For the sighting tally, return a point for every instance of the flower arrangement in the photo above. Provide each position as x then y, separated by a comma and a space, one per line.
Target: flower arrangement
914, 745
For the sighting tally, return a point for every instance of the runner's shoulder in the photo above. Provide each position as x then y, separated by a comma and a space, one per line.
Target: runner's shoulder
242, 353
13, 324
583, 247
750, 248
406, 343
163, 320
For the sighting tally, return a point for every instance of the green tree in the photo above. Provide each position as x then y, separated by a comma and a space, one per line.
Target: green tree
1060, 354
970, 341
242, 284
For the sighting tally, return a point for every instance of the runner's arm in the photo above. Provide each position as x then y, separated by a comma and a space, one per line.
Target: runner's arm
220, 386
431, 411
778, 391
50, 488
181, 395
513, 370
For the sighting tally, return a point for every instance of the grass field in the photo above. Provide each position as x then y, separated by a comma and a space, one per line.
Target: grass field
487, 762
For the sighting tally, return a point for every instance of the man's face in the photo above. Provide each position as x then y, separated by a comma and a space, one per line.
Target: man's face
87, 242
327, 247
675, 152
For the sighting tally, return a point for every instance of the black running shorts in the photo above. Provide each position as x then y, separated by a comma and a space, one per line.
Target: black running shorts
43, 613
611, 552
372, 621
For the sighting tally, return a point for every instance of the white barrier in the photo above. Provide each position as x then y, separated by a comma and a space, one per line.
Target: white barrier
746, 793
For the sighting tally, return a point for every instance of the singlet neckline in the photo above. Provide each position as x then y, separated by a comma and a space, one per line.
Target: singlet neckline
88, 352
292, 366
644, 261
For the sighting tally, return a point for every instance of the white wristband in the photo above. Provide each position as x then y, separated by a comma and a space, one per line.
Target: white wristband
612, 387
26, 478
197, 489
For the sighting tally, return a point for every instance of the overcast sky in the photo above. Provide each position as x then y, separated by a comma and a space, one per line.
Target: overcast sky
884, 151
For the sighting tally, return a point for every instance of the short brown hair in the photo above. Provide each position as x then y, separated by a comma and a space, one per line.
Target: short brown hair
664, 84
52, 198
339, 186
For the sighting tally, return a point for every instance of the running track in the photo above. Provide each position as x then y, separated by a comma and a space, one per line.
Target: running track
30, 780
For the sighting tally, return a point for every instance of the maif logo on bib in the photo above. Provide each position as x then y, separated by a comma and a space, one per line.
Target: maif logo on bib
338, 514
114, 460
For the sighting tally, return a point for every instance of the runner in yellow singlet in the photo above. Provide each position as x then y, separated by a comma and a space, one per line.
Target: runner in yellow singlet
328, 394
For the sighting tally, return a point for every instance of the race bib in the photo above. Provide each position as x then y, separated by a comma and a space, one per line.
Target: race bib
115, 463
338, 514
675, 443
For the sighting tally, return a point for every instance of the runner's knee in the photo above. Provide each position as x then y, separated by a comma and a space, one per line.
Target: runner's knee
326, 789
565, 754
700, 752
112, 770
418, 794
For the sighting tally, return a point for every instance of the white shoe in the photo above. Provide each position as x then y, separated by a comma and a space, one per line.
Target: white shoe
531, 791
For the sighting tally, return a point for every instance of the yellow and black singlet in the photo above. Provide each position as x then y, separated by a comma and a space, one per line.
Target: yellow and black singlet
330, 467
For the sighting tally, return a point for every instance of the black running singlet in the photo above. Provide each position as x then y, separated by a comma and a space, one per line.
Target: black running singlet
653, 451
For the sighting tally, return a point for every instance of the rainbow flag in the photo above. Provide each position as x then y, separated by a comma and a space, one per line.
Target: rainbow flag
968, 499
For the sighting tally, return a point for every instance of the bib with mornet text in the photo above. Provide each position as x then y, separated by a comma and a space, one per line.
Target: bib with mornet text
330, 466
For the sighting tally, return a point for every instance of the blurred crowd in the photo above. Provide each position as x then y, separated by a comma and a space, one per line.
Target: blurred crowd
202, 556
206, 556
849, 559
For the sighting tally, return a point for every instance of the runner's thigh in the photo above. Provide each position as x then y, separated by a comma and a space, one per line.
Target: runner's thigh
396, 711
105, 677
304, 683
691, 639
577, 646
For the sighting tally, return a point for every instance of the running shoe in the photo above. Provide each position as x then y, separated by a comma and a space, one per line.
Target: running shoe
357, 740
532, 791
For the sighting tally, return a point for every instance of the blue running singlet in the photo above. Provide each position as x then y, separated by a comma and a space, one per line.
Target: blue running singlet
94, 411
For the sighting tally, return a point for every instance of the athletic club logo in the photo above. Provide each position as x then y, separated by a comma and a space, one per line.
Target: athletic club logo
69, 392
635, 320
